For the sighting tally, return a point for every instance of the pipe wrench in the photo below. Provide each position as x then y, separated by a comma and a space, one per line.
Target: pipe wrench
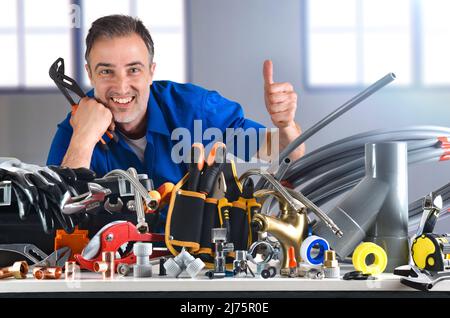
65, 83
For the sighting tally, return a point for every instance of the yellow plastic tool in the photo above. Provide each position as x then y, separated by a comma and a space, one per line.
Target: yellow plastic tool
360, 255
429, 251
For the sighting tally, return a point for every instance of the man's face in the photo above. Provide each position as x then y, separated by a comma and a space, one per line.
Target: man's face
120, 72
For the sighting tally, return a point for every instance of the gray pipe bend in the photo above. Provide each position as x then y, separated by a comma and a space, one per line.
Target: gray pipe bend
382, 192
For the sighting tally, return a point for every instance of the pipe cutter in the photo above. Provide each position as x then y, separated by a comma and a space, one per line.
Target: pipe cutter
110, 238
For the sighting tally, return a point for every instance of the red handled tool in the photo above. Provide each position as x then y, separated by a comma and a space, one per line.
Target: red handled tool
65, 83
110, 238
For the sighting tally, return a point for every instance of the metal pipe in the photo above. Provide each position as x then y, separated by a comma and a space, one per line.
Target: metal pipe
142, 225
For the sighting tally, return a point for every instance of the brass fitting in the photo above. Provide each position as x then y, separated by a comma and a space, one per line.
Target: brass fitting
290, 228
330, 265
18, 270
47, 272
330, 259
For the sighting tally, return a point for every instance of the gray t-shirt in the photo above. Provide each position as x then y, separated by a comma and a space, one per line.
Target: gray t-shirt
137, 145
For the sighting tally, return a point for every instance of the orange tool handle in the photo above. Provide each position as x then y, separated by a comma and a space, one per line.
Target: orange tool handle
196, 163
165, 192
292, 259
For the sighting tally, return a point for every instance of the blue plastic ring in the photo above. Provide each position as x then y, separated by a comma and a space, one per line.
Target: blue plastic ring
323, 246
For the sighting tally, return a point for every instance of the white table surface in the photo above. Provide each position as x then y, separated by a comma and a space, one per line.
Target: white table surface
93, 282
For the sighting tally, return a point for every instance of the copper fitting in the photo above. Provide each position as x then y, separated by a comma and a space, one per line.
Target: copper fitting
47, 272
71, 269
100, 267
18, 270
106, 266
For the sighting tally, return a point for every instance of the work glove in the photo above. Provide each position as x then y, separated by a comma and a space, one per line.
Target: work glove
41, 189
28, 196
75, 179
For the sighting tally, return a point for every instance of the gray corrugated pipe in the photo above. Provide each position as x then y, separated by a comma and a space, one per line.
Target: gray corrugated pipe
377, 208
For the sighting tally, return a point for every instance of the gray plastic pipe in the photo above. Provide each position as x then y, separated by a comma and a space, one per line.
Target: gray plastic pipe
331, 164
337, 113
320, 177
338, 178
334, 149
346, 144
377, 208
340, 174
385, 80
336, 160
390, 230
328, 191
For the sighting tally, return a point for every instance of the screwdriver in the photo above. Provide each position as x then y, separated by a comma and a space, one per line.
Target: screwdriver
64, 83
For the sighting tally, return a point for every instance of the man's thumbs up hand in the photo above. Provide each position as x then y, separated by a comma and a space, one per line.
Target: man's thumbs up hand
281, 103
280, 99
268, 72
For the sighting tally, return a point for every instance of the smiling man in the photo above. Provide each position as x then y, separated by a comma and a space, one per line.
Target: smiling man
119, 62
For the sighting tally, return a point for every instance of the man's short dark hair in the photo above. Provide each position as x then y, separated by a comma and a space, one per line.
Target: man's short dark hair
115, 26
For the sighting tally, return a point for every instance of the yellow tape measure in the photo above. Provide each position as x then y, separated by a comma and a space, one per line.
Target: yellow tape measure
360, 254
430, 251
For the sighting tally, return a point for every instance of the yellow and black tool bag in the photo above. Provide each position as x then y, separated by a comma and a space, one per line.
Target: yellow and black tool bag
239, 225
191, 217
211, 219
184, 219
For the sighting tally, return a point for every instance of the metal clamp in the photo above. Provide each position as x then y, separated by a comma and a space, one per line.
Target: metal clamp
5, 188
